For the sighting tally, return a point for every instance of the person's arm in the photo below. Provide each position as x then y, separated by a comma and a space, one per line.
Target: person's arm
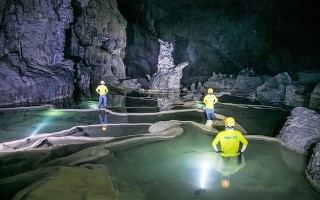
244, 142
98, 89
215, 99
215, 142
205, 100
107, 89
243, 148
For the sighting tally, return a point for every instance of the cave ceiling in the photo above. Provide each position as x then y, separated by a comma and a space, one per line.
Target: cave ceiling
269, 36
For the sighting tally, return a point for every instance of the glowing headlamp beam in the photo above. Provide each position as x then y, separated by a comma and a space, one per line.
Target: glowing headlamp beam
204, 173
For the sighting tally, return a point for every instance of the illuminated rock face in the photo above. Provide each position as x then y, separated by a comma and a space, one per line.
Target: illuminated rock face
313, 168
301, 130
32, 41
315, 98
168, 76
54, 49
301, 134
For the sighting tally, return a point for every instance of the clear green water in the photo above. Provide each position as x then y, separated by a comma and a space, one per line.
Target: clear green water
151, 169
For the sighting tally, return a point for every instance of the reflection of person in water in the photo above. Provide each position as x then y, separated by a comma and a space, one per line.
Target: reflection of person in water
103, 120
227, 166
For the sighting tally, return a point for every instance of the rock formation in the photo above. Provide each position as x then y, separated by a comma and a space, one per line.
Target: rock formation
224, 36
301, 130
46, 46
32, 40
273, 90
168, 76
98, 39
301, 134
315, 98
313, 168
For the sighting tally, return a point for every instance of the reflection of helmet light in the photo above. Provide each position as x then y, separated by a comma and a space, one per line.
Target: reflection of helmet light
225, 182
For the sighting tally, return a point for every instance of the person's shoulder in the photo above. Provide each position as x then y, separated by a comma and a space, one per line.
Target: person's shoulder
222, 132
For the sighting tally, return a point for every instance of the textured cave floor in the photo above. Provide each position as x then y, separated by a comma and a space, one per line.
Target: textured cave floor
151, 169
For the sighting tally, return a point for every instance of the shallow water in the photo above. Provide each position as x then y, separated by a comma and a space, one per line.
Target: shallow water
172, 170
181, 168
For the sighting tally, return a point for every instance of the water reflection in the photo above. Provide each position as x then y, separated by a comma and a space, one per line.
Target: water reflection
166, 169
103, 119
228, 166
225, 166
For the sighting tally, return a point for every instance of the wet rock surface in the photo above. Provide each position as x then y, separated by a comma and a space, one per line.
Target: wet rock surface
54, 49
313, 168
301, 130
301, 134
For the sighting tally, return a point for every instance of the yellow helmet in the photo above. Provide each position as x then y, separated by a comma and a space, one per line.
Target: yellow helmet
229, 121
225, 182
210, 90
102, 83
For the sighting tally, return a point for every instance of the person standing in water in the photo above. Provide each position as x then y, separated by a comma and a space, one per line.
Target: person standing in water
230, 140
209, 100
102, 90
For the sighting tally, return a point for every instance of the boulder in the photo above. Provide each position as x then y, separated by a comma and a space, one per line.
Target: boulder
220, 82
315, 98
246, 84
273, 90
132, 84
295, 95
313, 168
301, 130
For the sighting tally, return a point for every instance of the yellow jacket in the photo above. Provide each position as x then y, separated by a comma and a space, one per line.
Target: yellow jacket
229, 142
102, 90
210, 100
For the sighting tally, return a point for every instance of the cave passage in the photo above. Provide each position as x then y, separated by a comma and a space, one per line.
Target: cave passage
183, 167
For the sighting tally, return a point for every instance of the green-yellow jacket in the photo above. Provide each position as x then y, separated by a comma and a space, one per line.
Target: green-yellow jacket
229, 142
210, 100
102, 90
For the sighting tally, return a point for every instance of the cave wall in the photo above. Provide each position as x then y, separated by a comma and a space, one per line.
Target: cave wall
55, 49
270, 36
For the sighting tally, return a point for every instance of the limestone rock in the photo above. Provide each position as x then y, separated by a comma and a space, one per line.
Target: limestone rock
295, 95
301, 129
168, 76
220, 82
273, 90
163, 126
132, 84
315, 98
246, 84
99, 37
313, 168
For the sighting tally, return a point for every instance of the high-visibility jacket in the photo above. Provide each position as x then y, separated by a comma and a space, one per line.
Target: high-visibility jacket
229, 142
102, 90
210, 100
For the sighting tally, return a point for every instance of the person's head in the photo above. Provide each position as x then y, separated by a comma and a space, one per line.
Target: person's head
225, 182
102, 83
210, 91
229, 122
